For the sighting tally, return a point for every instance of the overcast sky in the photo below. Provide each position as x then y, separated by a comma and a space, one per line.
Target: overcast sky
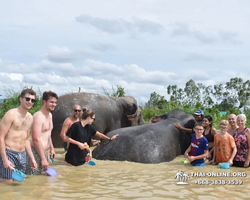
141, 45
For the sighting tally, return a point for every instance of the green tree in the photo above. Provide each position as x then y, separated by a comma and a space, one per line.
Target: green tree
156, 100
116, 92
176, 94
244, 95
192, 92
207, 99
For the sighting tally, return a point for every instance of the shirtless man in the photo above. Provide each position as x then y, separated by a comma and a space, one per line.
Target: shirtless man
14, 137
233, 124
41, 133
75, 117
69, 121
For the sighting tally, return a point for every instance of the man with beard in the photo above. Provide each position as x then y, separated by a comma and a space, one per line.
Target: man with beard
75, 117
14, 137
41, 133
233, 124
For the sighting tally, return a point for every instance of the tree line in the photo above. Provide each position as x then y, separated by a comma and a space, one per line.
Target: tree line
230, 97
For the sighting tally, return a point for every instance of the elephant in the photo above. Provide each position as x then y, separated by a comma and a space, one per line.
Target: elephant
110, 112
149, 143
158, 118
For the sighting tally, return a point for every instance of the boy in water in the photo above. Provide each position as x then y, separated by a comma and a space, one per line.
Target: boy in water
198, 147
224, 145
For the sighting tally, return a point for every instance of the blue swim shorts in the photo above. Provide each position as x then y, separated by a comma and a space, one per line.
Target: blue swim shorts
198, 164
16, 158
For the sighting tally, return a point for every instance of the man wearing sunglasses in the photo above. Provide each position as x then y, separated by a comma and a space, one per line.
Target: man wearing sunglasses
41, 129
75, 117
14, 137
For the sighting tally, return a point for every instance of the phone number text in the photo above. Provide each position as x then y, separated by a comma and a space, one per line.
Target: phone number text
218, 182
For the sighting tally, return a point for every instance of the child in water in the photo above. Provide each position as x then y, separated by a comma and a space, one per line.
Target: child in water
224, 145
198, 147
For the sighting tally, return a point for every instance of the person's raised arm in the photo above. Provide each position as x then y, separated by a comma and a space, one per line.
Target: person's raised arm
4, 129
36, 138
181, 128
102, 136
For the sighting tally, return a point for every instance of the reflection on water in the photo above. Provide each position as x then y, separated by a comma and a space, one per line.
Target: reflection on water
125, 180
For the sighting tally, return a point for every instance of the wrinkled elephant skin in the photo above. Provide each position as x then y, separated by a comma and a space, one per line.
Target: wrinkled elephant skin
110, 112
150, 143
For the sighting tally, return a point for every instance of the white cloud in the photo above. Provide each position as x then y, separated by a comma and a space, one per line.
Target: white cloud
142, 45
12, 77
64, 55
118, 26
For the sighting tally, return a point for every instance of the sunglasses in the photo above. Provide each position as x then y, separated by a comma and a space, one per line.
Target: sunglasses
28, 99
77, 110
93, 118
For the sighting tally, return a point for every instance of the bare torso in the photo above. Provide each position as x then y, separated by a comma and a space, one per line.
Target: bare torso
46, 129
231, 130
67, 124
19, 130
72, 120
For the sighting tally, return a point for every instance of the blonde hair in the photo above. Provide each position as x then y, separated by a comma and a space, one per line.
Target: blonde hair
224, 122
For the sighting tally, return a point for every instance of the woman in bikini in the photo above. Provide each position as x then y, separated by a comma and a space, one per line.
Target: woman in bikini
209, 132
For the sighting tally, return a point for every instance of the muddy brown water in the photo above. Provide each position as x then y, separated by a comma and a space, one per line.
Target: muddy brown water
128, 180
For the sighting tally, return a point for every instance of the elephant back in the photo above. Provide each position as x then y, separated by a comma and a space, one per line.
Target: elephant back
110, 112
186, 119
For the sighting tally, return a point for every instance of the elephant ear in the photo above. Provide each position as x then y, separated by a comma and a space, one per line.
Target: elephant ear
157, 118
132, 117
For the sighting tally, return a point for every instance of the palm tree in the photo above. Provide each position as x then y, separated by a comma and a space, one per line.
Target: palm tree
185, 177
179, 175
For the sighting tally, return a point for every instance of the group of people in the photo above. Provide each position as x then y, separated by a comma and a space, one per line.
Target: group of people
31, 155
15, 142
230, 144
77, 131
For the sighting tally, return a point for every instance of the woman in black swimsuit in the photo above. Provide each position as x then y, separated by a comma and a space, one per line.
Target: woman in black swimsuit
209, 133
79, 136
